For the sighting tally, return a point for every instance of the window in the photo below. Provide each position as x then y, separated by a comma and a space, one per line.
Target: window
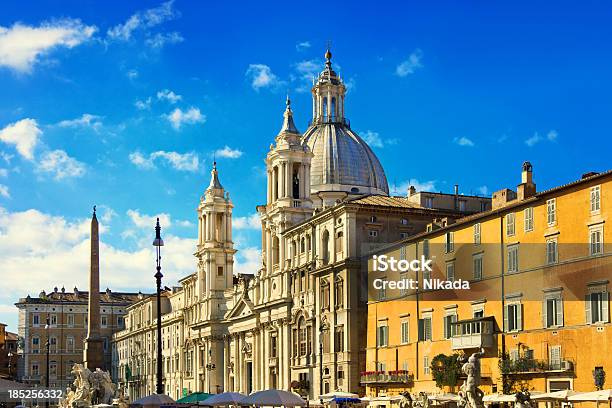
428, 202
120, 321
514, 317
303, 336
303, 245
552, 311
528, 219
477, 234
372, 233
273, 345
450, 245
104, 321
426, 367
339, 339
339, 293
596, 304
35, 369
405, 334
219, 271
449, 329
70, 320
595, 240
382, 335
425, 328
551, 211
426, 249
373, 218
450, 271
477, 264
339, 241
555, 358
552, 256
462, 204
35, 320
510, 218
403, 235
595, 198
70, 344
53, 320
513, 258
324, 294
403, 253
382, 292
35, 341
404, 289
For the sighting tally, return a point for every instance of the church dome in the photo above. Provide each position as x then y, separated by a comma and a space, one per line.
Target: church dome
342, 160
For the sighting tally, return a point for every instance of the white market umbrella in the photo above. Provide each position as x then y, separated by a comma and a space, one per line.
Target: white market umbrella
595, 396
339, 394
153, 400
225, 398
507, 397
273, 398
444, 397
562, 395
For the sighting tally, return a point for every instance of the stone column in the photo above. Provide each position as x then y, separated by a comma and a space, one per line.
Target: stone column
94, 345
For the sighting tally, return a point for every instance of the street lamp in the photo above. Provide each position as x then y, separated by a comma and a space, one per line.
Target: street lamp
322, 329
10, 356
158, 243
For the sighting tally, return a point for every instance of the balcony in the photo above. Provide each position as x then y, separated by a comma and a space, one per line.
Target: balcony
473, 333
525, 366
386, 377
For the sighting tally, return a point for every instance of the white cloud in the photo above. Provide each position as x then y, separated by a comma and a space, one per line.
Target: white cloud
228, 153
551, 136
463, 141
5, 156
3, 173
132, 74
373, 139
58, 164
148, 221
179, 117
483, 190
143, 20
169, 96
301, 46
144, 104
262, 77
305, 71
248, 261
402, 188
22, 46
411, 64
23, 135
179, 161
86, 120
249, 222
54, 251
4, 191
159, 40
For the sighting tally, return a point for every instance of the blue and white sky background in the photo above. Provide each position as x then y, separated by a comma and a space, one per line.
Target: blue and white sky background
125, 104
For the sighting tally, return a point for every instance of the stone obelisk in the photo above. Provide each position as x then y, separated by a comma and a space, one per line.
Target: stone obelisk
93, 351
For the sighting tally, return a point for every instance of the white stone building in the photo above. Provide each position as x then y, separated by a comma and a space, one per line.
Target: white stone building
299, 322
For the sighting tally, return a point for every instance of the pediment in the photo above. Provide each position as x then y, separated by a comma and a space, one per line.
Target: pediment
244, 307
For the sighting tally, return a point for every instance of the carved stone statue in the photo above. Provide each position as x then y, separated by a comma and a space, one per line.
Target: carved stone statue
406, 401
121, 400
88, 388
422, 400
470, 395
523, 400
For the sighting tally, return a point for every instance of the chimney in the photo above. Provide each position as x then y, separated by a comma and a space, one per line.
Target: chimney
456, 189
411, 191
527, 188
502, 197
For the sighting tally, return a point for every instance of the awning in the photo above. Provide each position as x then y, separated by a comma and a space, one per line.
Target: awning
595, 396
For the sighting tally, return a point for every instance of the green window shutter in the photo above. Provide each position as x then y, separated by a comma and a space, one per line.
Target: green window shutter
421, 329
587, 309
605, 307
506, 311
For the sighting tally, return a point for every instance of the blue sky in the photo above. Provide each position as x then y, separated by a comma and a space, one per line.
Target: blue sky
124, 104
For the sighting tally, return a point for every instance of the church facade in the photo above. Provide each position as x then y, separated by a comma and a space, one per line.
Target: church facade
299, 322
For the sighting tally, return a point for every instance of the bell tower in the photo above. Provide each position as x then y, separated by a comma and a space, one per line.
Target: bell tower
215, 249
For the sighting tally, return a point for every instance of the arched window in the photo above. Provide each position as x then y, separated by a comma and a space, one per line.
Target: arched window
302, 337
275, 251
325, 108
339, 292
293, 249
333, 108
324, 294
303, 245
308, 244
325, 248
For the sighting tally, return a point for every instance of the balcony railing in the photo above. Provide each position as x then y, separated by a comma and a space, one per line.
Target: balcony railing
387, 377
472, 333
525, 365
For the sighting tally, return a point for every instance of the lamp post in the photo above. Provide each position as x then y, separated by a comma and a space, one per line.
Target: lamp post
10, 356
158, 243
322, 329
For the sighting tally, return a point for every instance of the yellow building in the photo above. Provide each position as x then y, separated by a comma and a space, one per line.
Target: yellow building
538, 303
